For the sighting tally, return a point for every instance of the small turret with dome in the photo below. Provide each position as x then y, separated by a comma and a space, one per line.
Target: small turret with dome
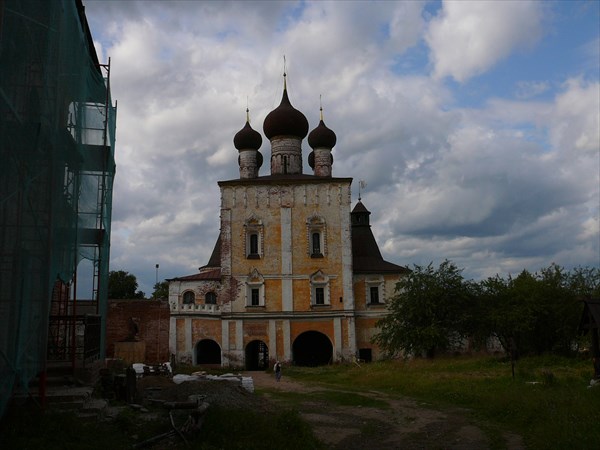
285, 127
322, 140
247, 141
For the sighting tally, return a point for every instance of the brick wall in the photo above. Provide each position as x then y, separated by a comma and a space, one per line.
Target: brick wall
152, 318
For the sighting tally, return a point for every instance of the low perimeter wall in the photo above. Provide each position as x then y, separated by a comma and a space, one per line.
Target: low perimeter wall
150, 317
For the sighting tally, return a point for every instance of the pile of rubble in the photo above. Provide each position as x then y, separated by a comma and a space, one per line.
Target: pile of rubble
229, 390
189, 397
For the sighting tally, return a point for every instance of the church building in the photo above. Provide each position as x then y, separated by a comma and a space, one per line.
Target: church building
295, 274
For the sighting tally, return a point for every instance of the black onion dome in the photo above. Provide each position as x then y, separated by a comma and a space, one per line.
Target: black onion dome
322, 137
285, 120
259, 159
247, 138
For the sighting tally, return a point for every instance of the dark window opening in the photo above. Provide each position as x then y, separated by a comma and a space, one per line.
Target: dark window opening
319, 296
316, 245
253, 253
189, 298
374, 294
365, 355
255, 298
210, 298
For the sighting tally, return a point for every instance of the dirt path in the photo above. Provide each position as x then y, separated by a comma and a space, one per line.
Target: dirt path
392, 424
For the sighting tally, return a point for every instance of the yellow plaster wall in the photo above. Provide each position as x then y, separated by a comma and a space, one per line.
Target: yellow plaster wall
324, 326
256, 330
326, 200
232, 334
180, 334
358, 286
279, 339
206, 329
301, 290
273, 295
265, 202
365, 330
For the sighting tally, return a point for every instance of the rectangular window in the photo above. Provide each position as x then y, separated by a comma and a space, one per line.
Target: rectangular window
374, 294
210, 298
255, 300
319, 296
253, 249
365, 355
316, 245
189, 298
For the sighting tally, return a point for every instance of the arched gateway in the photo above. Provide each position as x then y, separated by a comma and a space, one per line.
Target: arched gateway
208, 352
257, 356
312, 348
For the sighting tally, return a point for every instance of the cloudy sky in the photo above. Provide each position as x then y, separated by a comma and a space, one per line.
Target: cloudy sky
474, 124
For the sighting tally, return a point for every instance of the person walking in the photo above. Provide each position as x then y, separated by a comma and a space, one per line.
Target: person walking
278, 371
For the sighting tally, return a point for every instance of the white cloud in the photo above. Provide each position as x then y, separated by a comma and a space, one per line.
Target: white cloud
507, 186
528, 89
468, 37
577, 117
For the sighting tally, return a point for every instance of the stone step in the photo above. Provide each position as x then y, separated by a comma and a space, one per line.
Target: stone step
65, 394
93, 409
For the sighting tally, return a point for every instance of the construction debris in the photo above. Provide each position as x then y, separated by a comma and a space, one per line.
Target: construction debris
188, 429
246, 382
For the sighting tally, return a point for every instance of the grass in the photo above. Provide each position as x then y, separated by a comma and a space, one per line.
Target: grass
30, 429
222, 429
341, 398
548, 402
245, 430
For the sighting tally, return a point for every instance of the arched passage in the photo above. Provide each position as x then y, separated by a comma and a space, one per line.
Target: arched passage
208, 352
312, 348
257, 356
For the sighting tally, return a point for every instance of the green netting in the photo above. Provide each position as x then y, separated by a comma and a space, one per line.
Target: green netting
57, 167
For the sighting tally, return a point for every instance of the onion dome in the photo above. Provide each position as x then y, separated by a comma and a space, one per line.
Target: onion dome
259, 160
322, 137
285, 120
247, 138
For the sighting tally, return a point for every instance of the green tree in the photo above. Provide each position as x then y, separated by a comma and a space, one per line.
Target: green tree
161, 290
428, 312
508, 313
537, 313
558, 314
123, 285
585, 282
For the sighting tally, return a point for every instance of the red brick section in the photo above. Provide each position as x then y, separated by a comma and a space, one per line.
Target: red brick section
152, 317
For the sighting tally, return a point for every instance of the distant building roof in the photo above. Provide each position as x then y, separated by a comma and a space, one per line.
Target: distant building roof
366, 257
215, 257
214, 274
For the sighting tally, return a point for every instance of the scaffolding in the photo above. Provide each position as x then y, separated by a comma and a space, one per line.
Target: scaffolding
57, 135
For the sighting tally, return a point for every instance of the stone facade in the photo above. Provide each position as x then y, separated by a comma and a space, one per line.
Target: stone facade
283, 282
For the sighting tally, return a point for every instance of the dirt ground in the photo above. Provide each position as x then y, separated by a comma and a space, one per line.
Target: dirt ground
405, 424
401, 424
